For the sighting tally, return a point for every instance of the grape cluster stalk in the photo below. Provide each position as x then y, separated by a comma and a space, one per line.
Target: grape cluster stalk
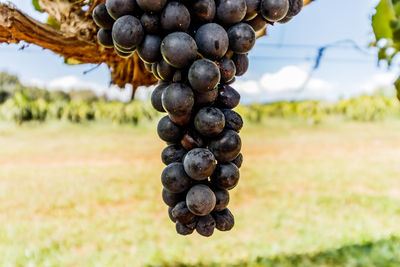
195, 48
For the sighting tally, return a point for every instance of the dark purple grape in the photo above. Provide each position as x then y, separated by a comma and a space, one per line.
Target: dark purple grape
226, 146
171, 199
127, 32
181, 120
175, 17
156, 97
173, 153
119, 8
169, 131
192, 140
253, 8
179, 49
206, 225
241, 62
165, 71
241, 38
102, 18
182, 214
233, 120
228, 70
151, 23
105, 38
238, 161
183, 229
274, 10
295, 7
178, 99
204, 10
227, 97
258, 23
180, 76
149, 49
209, 121
224, 220
151, 5
175, 179
212, 41
205, 99
170, 214
226, 176
122, 49
231, 11
222, 199
204, 75
199, 163
200, 200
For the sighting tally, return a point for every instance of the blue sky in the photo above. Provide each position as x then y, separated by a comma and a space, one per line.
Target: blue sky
279, 63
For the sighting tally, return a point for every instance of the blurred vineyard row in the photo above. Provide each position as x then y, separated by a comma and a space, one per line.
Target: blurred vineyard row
20, 104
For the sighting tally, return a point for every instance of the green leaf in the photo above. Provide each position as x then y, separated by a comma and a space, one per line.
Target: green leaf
36, 5
381, 21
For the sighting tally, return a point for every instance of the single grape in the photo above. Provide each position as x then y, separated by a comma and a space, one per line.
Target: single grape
233, 120
224, 220
222, 199
171, 199
241, 62
231, 11
175, 17
204, 75
127, 32
238, 161
241, 38
200, 200
151, 5
258, 23
179, 49
178, 99
204, 10
102, 18
165, 71
226, 146
227, 97
175, 179
181, 120
295, 7
206, 225
227, 69
182, 214
192, 140
253, 8
151, 23
212, 41
209, 121
199, 163
274, 10
105, 38
149, 49
226, 176
205, 99
169, 131
173, 153
183, 229
156, 97
170, 214
119, 8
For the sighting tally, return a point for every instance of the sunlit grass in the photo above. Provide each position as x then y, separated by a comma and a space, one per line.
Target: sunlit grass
89, 195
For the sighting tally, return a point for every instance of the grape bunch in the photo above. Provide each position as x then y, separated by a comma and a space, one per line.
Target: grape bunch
195, 48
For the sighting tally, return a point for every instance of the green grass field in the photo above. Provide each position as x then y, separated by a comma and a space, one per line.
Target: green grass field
89, 195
